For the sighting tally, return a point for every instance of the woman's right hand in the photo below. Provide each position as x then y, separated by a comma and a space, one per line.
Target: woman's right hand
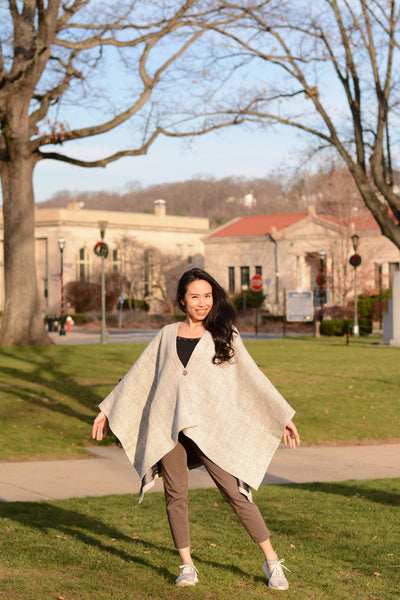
291, 436
100, 426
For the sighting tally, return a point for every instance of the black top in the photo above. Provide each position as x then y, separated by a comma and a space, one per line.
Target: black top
185, 347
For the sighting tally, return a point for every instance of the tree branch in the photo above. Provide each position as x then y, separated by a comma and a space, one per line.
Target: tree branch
143, 149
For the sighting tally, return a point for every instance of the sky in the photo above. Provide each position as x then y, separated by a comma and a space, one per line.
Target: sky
232, 152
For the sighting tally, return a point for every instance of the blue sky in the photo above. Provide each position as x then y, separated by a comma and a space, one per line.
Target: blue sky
233, 152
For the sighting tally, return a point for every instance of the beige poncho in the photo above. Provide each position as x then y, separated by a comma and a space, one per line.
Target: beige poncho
231, 411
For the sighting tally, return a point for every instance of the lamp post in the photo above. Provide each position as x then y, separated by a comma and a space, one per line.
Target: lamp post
273, 240
244, 292
379, 263
61, 244
322, 281
355, 261
320, 297
103, 332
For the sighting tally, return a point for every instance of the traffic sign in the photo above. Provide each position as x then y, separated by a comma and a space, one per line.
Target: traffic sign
256, 283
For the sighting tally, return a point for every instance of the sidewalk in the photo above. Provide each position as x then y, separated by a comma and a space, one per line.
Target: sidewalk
109, 471
80, 335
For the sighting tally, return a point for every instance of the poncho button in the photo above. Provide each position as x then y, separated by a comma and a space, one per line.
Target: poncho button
184, 372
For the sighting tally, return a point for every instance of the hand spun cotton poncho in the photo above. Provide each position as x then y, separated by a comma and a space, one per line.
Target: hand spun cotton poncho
231, 411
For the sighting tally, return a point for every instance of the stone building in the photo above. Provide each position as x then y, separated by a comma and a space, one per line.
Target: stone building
179, 239
285, 249
289, 250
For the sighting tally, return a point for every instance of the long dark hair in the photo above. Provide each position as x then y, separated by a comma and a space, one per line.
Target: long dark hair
221, 318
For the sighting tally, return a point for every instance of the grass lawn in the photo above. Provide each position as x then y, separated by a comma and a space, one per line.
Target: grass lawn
342, 394
340, 541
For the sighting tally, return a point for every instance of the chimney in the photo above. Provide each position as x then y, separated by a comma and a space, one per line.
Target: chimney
160, 208
311, 210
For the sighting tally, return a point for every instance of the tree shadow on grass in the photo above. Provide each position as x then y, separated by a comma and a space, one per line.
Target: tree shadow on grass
46, 377
91, 531
109, 540
60, 380
390, 497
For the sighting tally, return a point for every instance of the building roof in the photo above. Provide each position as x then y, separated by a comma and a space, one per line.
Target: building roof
258, 224
265, 224
77, 217
364, 222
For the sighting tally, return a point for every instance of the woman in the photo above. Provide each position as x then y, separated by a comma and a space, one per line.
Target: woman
196, 397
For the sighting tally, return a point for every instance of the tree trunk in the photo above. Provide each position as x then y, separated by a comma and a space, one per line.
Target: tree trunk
22, 321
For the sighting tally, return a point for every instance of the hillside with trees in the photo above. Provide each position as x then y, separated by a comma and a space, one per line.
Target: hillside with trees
331, 192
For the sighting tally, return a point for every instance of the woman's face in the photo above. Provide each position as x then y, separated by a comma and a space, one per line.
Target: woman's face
198, 300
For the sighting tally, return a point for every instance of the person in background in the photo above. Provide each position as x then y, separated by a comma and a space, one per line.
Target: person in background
196, 397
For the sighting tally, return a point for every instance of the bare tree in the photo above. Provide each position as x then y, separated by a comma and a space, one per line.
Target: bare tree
149, 274
330, 69
100, 65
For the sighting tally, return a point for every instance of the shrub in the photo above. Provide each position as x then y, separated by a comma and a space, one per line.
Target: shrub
132, 304
338, 312
253, 299
82, 318
342, 326
85, 296
270, 318
365, 304
338, 326
365, 325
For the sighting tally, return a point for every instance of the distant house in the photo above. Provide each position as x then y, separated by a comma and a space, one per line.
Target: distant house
287, 250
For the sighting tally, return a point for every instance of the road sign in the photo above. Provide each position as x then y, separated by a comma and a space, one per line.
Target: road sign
256, 283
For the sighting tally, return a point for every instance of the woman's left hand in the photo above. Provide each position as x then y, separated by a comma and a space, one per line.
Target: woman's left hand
100, 426
291, 436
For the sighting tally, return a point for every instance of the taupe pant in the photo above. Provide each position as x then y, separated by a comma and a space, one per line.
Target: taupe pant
175, 479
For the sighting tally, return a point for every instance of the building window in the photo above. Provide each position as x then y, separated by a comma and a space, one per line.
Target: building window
244, 276
83, 265
179, 252
259, 270
116, 262
190, 254
378, 274
148, 272
231, 279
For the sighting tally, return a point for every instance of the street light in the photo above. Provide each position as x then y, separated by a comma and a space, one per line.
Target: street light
355, 261
103, 332
320, 297
61, 244
379, 264
322, 281
244, 292
273, 240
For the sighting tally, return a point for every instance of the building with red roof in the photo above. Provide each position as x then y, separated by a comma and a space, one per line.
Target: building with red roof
290, 251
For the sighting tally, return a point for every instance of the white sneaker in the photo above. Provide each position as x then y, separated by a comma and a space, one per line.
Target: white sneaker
276, 577
187, 575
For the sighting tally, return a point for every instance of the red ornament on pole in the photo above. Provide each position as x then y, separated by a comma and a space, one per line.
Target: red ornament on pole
355, 260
